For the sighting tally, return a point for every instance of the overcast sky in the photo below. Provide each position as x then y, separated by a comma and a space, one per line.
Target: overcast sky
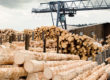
17, 14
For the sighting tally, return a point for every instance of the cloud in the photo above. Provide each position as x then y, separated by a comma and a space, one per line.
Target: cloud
19, 3
14, 3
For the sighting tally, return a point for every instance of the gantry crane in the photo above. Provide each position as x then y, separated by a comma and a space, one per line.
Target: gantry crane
63, 8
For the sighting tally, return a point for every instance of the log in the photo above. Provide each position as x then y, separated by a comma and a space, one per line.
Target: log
83, 75
12, 72
71, 74
52, 71
7, 66
34, 66
95, 75
22, 79
108, 71
104, 76
6, 59
36, 76
98, 67
21, 57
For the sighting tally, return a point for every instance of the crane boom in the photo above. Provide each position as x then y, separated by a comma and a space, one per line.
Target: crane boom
69, 8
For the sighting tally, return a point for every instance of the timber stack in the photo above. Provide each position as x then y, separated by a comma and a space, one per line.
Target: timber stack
6, 33
83, 46
29, 32
108, 40
20, 64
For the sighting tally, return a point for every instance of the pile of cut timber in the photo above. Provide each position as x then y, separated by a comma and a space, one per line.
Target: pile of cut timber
6, 33
49, 44
9, 70
12, 60
29, 32
49, 32
16, 64
108, 40
83, 46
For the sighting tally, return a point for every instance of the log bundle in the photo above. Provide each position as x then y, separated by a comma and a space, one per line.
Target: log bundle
49, 32
9, 70
108, 40
49, 44
20, 64
7, 33
83, 46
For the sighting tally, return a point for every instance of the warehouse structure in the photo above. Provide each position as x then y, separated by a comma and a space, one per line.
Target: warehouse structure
100, 30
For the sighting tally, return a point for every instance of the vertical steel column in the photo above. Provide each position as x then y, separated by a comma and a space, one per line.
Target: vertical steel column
32, 35
10, 39
27, 42
1, 40
58, 13
44, 42
57, 43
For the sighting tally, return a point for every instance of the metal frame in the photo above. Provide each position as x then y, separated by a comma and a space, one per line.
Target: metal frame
70, 8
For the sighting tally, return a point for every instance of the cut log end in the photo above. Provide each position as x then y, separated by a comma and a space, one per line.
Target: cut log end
19, 58
57, 77
32, 77
28, 66
47, 73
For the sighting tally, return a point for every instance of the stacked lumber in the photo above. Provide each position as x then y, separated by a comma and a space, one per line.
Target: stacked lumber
9, 70
22, 56
49, 44
29, 32
50, 70
39, 49
108, 40
83, 46
16, 64
6, 33
49, 32
20, 36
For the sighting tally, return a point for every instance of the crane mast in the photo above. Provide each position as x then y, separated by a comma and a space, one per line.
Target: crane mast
63, 8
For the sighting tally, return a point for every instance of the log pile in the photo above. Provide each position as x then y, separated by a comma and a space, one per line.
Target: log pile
9, 70
16, 64
108, 40
6, 33
83, 46
29, 32
49, 32
49, 44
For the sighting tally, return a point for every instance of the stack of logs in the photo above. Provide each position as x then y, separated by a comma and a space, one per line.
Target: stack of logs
7, 33
29, 32
108, 40
49, 32
83, 46
19, 64
12, 60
